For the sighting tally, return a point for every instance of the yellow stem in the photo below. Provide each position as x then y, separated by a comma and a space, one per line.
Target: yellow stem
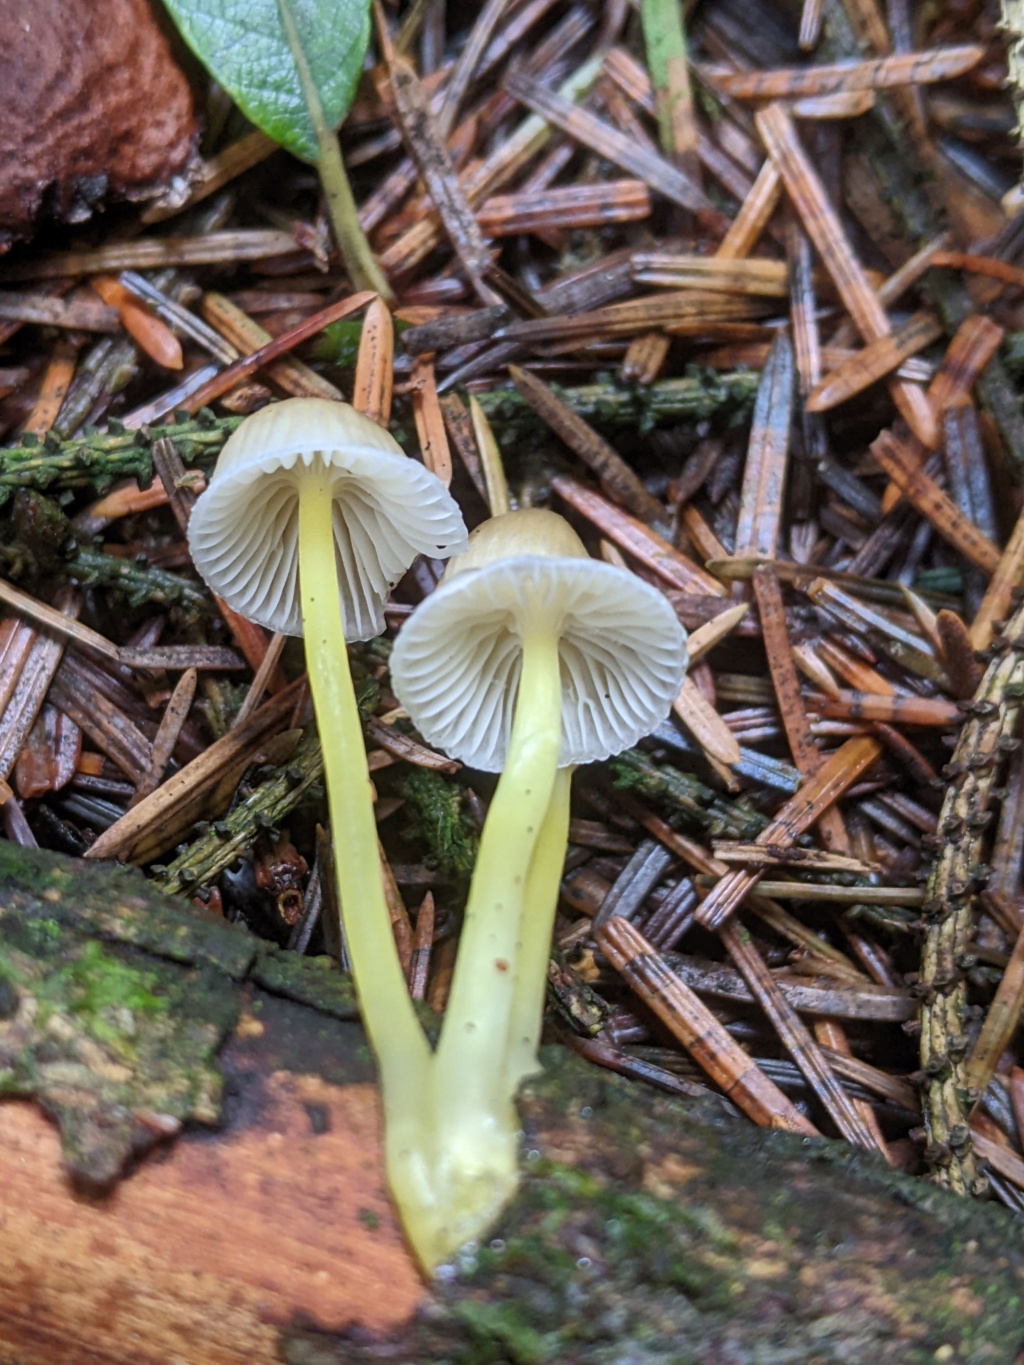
475, 1170
484, 982
540, 901
403, 1054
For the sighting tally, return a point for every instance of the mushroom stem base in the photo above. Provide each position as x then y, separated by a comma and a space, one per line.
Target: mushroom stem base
451, 1194
449, 1191
456, 1191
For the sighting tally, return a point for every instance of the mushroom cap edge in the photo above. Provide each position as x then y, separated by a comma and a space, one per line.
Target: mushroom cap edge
455, 665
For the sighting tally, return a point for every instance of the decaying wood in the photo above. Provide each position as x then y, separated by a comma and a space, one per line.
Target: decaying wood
308, 1268
751, 367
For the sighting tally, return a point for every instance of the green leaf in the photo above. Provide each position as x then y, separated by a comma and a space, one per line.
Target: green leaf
244, 45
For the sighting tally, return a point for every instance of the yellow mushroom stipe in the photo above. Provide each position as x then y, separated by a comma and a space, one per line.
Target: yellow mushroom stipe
312, 514
540, 901
387, 1011
474, 1087
514, 664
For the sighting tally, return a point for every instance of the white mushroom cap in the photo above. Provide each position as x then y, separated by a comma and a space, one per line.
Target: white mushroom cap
456, 664
244, 530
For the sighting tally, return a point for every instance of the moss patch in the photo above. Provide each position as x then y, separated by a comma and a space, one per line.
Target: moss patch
115, 999
116, 904
118, 1047
312, 981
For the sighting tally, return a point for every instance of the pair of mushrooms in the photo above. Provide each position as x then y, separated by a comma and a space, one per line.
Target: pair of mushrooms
529, 658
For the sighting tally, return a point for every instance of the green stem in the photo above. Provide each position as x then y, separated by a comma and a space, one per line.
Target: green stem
391, 1024
664, 40
363, 270
540, 901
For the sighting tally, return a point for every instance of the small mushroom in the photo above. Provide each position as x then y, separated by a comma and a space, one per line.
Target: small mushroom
528, 658
526, 583
311, 516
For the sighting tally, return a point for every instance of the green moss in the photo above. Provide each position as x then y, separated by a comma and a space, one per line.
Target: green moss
685, 797
649, 1241
338, 343
96, 460
137, 582
270, 801
100, 1032
435, 813
32, 537
699, 395
769, 1250
501, 1327
314, 981
117, 904
102, 990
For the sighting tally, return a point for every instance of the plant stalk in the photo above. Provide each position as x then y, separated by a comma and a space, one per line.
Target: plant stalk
363, 270
474, 1170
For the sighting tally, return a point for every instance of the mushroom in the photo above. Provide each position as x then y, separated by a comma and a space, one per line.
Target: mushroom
528, 658
311, 516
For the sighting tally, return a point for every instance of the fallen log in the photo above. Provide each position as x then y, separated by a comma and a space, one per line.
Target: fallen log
211, 1192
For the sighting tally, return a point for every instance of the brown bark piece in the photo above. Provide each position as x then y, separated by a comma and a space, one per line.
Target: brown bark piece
93, 103
207, 1255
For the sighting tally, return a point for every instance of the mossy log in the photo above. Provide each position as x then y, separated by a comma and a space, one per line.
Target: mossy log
211, 1193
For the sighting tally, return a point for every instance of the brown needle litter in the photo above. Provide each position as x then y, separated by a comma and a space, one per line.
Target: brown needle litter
425, 144
792, 711
697, 1028
764, 474
825, 229
933, 504
211, 248
660, 175
616, 477
908, 68
874, 362
832, 778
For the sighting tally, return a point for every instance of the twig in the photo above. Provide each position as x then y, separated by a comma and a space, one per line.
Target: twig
947, 911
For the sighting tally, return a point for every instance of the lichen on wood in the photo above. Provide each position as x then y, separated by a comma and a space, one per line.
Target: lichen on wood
114, 1001
117, 1045
948, 912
